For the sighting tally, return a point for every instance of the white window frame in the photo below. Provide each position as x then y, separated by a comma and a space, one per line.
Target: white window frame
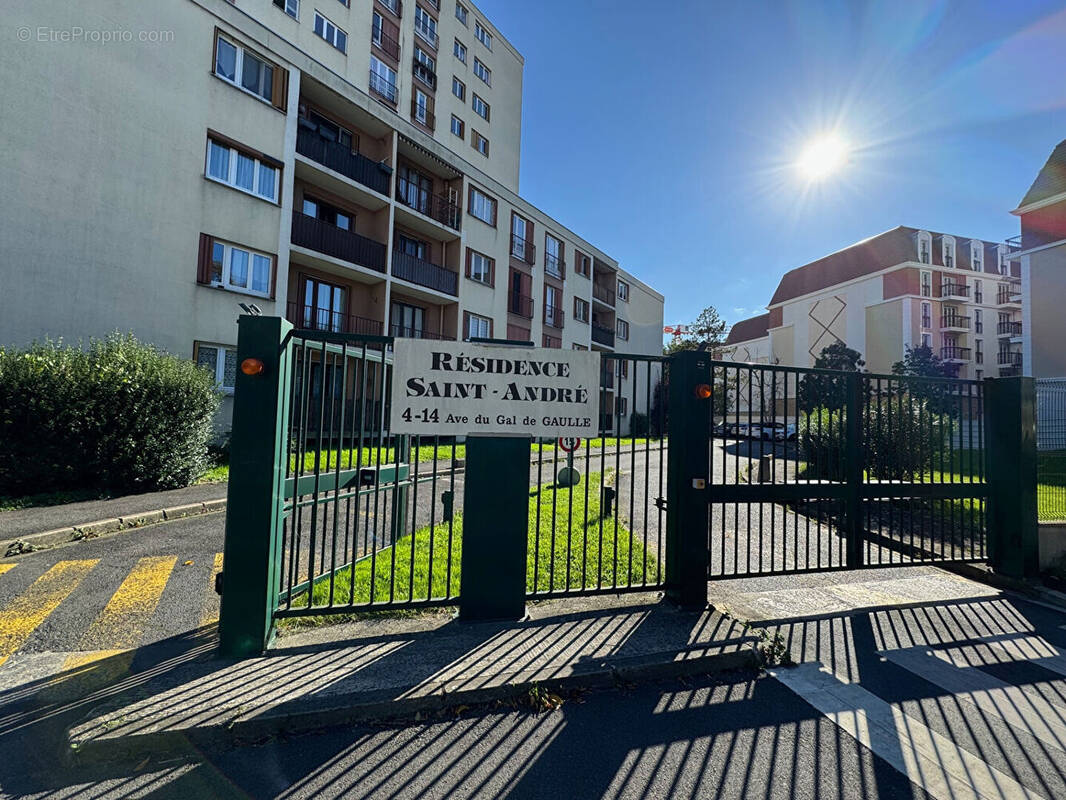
947, 252
481, 322
459, 51
292, 8
481, 33
482, 71
623, 291
461, 133
226, 282
925, 239
925, 313
927, 340
925, 283
461, 13
426, 26
220, 362
375, 61
553, 256
421, 107
484, 111
476, 139
978, 291
327, 23
486, 268
622, 330
231, 177
977, 257
477, 198
238, 69
581, 303
456, 83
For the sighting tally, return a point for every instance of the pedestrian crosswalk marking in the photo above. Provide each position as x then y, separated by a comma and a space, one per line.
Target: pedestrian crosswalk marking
6, 567
122, 622
23, 614
928, 758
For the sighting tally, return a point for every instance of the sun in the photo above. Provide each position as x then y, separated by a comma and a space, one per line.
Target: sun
822, 157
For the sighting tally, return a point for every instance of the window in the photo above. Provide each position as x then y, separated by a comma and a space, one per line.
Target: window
979, 374
422, 110
248, 71
482, 71
978, 293
553, 312
927, 283
478, 327
237, 268
581, 310
482, 35
979, 351
927, 340
553, 256
290, 7
923, 249
458, 127
623, 291
480, 268
927, 315
582, 263
621, 406
331, 33
975, 256
482, 206
391, 5
978, 323
328, 213
552, 341
325, 306
460, 51
623, 330
383, 79
406, 321
411, 246
426, 26
949, 252
623, 369
460, 12
458, 88
481, 108
479, 142
220, 361
577, 346
385, 35
241, 170
425, 68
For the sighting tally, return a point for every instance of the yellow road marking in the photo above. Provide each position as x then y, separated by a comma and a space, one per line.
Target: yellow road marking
6, 568
122, 622
23, 614
211, 605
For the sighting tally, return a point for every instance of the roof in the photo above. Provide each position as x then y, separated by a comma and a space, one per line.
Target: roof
1051, 180
748, 329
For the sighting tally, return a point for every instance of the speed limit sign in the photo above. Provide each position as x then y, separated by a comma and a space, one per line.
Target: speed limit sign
569, 444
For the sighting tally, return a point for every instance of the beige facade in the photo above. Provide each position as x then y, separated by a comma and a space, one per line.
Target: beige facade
230, 152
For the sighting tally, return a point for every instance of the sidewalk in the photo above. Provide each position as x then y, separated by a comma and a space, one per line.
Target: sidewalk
388, 668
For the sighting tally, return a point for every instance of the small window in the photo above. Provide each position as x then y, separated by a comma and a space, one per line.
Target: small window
460, 12
220, 361
241, 170
331, 33
479, 142
927, 315
290, 7
478, 327
949, 254
978, 292
239, 269
978, 321
927, 283
479, 267
481, 108
582, 263
482, 71
553, 256
623, 330
923, 249
581, 310
426, 26
460, 51
458, 127
458, 88
975, 256
623, 291
245, 70
482, 35
482, 206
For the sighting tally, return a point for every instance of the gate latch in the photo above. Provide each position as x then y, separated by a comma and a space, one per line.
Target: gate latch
699, 483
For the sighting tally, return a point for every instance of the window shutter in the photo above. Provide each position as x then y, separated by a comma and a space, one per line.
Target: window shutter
274, 278
280, 89
203, 261
466, 325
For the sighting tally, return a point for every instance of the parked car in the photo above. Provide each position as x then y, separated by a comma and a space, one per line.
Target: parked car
774, 431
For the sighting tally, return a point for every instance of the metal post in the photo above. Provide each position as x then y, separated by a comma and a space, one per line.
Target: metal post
853, 471
1010, 461
401, 456
254, 506
688, 466
495, 528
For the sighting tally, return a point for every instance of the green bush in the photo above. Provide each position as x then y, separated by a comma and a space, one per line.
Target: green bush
821, 439
117, 416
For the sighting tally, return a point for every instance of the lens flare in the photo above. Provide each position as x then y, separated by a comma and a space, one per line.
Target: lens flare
823, 157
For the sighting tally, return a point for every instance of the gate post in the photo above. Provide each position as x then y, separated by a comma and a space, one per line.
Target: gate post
688, 427
1010, 467
255, 500
853, 471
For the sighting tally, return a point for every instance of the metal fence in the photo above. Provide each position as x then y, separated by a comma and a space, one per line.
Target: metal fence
1051, 449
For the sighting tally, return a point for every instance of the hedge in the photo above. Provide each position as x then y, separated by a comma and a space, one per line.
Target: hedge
118, 416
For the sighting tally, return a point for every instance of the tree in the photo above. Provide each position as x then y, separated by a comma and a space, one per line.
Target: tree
921, 362
709, 328
827, 391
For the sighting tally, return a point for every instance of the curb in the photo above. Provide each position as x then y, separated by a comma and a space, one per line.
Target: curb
1026, 589
384, 707
90, 530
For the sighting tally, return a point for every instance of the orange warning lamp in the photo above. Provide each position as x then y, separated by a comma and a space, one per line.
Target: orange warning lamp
703, 391
252, 366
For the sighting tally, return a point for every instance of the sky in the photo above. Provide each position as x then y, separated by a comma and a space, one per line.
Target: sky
667, 134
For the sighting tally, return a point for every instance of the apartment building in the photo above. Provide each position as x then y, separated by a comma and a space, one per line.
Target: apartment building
1042, 243
349, 164
906, 287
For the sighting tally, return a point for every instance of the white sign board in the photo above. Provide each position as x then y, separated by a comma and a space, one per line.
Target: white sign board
462, 389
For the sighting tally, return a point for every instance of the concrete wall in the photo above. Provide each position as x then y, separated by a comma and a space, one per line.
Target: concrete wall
884, 335
1044, 289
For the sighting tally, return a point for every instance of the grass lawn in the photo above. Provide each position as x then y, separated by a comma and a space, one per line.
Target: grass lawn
615, 558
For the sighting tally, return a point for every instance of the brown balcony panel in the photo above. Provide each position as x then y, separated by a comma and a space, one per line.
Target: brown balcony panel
388, 44
555, 267
434, 206
602, 335
425, 117
320, 319
523, 250
603, 294
341, 159
425, 273
520, 304
314, 234
553, 317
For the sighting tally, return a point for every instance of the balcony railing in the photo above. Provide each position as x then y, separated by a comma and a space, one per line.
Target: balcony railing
1007, 358
603, 294
553, 317
424, 273
314, 234
432, 205
1009, 329
428, 36
424, 74
321, 319
520, 304
422, 115
954, 353
395, 6
602, 335
409, 332
341, 159
954, 321
954, 290
523, 250
553, 265
1008, 295
387, 42
383, 87
607, 379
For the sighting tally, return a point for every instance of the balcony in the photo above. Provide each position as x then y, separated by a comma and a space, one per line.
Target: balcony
954, 291
406, 332
424, 273
395, 6
383, 88
422, 115
339, 158
602, 335
321, 319
386, 41
954, 322
1008, 358
554, 266
314, 234
553, 317
603, 294
1009, 296
424, 74
432, 205
523, 250
955, 354
521, 305
1009, 329
427, 36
